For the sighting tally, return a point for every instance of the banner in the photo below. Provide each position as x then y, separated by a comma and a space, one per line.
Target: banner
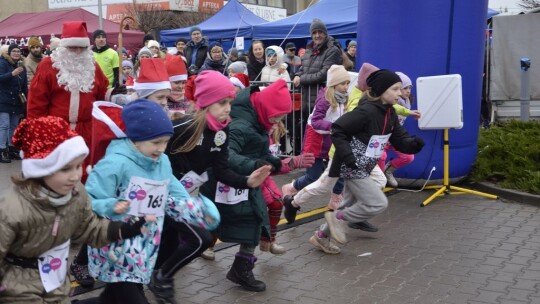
201, 6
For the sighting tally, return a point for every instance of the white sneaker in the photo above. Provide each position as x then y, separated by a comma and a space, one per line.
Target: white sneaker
209, 254
390, 179
337, 227
324, 244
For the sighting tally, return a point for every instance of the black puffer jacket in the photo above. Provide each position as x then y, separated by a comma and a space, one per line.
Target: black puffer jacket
315, 64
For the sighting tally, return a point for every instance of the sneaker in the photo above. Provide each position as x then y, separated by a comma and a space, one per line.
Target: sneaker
389, 173
337, 227
272, 247
289, 211
365, 226
335, 201
163, 289
209, 254
324, 244
81, 275
288, 189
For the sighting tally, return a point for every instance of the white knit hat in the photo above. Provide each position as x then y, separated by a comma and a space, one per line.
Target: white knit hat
336, 75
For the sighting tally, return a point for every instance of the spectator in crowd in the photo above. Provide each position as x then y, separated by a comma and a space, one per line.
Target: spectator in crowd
144, 52
350, 52
275, 67
13, 85
154, 47
291, 59
196, 49
147, 38
216, 60
256, 60
106, 57
238, 67
180, 45
33, 58
233, 55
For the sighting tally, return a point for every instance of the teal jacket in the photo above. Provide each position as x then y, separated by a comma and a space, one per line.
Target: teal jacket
244, 222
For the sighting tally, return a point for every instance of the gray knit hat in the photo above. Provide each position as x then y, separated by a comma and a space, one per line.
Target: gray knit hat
317, 25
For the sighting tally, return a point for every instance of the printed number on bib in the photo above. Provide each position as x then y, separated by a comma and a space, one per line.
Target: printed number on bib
147, 196
229, 195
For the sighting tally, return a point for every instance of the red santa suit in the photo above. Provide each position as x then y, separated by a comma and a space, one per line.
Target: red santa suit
48, 98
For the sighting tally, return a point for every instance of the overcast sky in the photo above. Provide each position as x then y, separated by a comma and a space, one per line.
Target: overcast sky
511, 4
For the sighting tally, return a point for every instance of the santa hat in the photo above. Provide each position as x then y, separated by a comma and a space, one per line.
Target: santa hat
152, 77
176, 68
107, 125
47, 145
242, 78
129, 82
74, 33
237, 83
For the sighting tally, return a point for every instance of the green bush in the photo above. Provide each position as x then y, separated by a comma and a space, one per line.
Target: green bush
509, 155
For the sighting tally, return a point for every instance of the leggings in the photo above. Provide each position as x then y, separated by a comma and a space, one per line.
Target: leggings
180, 244
123, 293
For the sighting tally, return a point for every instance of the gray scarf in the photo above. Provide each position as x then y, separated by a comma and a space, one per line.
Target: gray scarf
54, 198
341, 98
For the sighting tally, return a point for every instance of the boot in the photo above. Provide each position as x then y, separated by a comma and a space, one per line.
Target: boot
162, 288
389, 173
272, 247
14, 153
4, 156
242, 273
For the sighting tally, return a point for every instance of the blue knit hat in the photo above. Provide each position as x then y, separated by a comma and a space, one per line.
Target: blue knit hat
145, 120
194, 29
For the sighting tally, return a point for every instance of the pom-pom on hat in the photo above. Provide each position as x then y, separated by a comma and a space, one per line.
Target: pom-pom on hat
379, 81
34, 41
152, 77
365, 70
176, 68
212, 87
317, 25
145, 120
336, 74
47, 145
74, 33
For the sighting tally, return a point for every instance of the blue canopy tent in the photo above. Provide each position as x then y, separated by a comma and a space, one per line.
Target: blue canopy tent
340, 17
230, 21
491, 12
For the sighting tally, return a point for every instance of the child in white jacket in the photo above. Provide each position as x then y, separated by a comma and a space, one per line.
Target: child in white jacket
275, 68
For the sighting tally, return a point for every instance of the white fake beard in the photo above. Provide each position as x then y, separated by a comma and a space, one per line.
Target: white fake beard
75, 71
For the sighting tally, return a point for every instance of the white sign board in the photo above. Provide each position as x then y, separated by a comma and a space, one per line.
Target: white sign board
440, 101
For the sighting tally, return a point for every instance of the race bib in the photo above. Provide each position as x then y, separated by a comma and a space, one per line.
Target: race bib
53, 266
229, 195
191, 180
147, 196
376, 145
274, 150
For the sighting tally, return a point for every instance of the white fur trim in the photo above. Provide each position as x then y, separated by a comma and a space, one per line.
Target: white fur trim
74, 99
237, 83
162, 85
78, 42
56, 160
178, 77
98, 114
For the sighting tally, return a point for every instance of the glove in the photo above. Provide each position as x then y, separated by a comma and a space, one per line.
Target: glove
261, 163
118, 231
418, 144
305, 160
121, 89
351, 162
275, 162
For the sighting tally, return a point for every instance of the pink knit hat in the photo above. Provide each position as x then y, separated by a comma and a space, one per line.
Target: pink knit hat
212, 87
363, 74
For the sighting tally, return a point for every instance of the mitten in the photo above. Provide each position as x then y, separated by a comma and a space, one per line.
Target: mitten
275, 162
118, 231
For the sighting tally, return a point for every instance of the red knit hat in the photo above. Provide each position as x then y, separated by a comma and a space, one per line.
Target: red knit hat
273, 101
74, 33
152, 76
212, 87
176, 68
47, 145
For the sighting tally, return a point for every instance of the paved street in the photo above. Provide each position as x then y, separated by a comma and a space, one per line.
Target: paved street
458, 249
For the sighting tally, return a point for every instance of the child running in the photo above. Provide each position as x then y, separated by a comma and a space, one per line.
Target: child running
46, 209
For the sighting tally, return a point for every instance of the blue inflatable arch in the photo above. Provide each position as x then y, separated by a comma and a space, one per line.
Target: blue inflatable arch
427, 38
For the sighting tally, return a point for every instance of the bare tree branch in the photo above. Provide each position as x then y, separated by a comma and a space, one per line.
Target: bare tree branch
529, 4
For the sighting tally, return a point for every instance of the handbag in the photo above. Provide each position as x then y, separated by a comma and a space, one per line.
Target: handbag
22, 97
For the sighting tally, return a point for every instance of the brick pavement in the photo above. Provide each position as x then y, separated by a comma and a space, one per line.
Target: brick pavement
458, 249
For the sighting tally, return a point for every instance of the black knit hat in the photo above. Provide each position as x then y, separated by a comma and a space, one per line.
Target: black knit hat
147, 37
317, 25
99, 33
379, 81
12, 47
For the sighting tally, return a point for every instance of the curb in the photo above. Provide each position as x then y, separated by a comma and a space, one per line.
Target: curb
514, 195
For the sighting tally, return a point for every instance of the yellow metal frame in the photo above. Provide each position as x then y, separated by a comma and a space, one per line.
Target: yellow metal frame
446, 187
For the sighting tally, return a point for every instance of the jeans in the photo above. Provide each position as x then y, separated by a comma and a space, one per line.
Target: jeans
8, 123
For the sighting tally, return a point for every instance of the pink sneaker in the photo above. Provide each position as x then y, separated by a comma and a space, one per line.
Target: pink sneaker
335, 201
288, 189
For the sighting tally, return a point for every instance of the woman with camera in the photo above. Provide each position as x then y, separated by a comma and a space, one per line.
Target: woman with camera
13, 92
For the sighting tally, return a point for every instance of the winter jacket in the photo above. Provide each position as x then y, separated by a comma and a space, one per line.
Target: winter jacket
26, 230
201, 49
215, 65
133, 260
355, 128
294, 63
248, 143
254, 68
30, 63
315, 64
270, 73
317, 139
212, 152
11, 86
